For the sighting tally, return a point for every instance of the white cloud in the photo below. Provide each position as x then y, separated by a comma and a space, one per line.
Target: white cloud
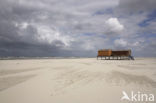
120, 43
24, 25
114, 25
50, 35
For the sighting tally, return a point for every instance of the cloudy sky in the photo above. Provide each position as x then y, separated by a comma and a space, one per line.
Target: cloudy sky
77, 27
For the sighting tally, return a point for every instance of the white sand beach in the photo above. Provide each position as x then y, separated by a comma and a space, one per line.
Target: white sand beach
83, 80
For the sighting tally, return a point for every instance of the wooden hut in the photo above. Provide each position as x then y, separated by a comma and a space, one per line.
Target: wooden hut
104, 52
114, 54
121, 53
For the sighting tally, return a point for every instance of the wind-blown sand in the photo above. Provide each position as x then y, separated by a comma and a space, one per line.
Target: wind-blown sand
84, 80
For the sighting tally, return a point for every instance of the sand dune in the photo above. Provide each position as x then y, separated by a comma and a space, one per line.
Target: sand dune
84, 80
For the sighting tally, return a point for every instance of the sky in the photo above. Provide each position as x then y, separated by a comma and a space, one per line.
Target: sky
77, 27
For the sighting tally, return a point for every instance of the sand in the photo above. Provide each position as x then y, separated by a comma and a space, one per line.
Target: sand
83, 80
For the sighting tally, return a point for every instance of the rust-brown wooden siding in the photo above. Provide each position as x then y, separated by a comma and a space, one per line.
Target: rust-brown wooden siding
109, 52
105, 52
121, 53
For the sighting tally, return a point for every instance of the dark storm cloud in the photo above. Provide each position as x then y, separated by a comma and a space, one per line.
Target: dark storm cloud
137, 6
138, 17
73, 27
17, 42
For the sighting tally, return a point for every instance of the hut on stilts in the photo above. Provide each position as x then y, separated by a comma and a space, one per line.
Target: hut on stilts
108, 54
